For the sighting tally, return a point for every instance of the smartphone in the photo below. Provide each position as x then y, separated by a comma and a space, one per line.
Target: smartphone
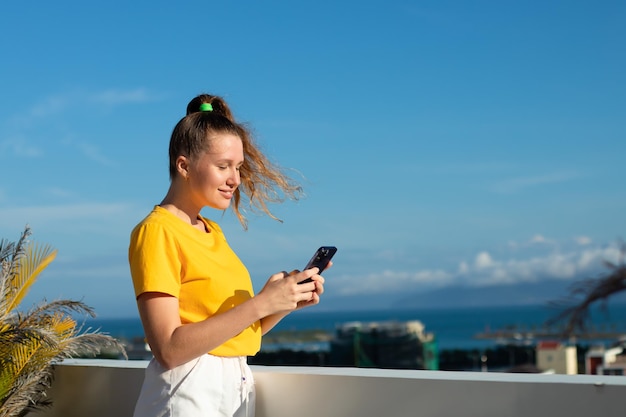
320, 259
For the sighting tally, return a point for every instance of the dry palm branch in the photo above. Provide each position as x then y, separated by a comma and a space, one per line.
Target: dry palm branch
32, 342
576, 306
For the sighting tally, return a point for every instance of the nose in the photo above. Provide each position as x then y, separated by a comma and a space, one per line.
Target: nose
234, 178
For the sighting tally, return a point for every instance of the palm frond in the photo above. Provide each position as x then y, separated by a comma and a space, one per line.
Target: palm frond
11, 336
42, 403
6, 269
37, 258
16, 345
31, 342
26, 392
11, 251
6, 385
25, 356
575, 307
6, 248
10, 257
24, 377
45, 309
90, 344
36, 361
17, 251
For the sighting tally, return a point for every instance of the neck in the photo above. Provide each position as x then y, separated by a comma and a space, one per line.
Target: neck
181, 207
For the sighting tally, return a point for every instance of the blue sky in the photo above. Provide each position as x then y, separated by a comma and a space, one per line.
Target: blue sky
441, 144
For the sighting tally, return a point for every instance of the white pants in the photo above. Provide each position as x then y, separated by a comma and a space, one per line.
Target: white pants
206, 386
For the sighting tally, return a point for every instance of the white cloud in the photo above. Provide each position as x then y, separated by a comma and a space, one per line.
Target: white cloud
63, 216
115, 97
514, 185
43, 108
90, 151
554, 265
55, 104
51, 105
488, 270
483, 260
59, 192
19, 146
391, 281
60, 106
70, 269
582, 240
538, 239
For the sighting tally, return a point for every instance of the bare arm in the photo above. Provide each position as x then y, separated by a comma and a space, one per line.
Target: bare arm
173, 343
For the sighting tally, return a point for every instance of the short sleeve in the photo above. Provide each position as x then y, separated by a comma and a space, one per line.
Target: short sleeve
155, 265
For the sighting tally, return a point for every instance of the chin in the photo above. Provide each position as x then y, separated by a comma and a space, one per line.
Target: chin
221, 206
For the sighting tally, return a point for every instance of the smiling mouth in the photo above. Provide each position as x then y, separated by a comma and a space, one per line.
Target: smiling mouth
227, 193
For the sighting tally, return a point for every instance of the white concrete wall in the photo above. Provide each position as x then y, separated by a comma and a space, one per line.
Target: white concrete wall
109, 388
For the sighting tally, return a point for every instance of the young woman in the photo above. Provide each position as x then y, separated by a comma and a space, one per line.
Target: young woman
195, 297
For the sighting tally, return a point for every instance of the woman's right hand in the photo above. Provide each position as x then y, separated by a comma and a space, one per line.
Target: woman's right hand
283, 294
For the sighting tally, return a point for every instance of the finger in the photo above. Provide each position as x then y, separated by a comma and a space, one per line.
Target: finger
307, 275
279, 275
315, 269
315, 299
286, 274
320, 279
307, 287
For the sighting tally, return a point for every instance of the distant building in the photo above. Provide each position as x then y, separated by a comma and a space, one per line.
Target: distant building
601, 361
138, 349
555, 357
388, 344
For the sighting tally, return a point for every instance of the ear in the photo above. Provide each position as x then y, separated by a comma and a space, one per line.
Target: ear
182, 166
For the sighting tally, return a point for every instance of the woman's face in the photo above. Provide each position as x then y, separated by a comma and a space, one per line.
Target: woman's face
213, 176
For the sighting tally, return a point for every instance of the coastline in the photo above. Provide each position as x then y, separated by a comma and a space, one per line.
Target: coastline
453, 328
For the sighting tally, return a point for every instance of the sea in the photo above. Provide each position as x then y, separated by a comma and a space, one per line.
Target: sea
454, 328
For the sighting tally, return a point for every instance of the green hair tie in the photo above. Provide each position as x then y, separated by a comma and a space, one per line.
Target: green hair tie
206, 107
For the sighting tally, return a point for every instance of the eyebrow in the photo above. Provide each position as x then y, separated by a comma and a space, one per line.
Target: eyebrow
228, 161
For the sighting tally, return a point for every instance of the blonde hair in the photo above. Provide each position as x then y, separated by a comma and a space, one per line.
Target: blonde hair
262, 182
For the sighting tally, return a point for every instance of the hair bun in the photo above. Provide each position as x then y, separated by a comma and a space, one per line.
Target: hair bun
216, 103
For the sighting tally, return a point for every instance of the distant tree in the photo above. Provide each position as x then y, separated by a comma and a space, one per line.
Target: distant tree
575, 307
32, 341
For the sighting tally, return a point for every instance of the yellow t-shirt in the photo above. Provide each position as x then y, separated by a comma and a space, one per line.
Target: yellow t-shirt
169, 256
